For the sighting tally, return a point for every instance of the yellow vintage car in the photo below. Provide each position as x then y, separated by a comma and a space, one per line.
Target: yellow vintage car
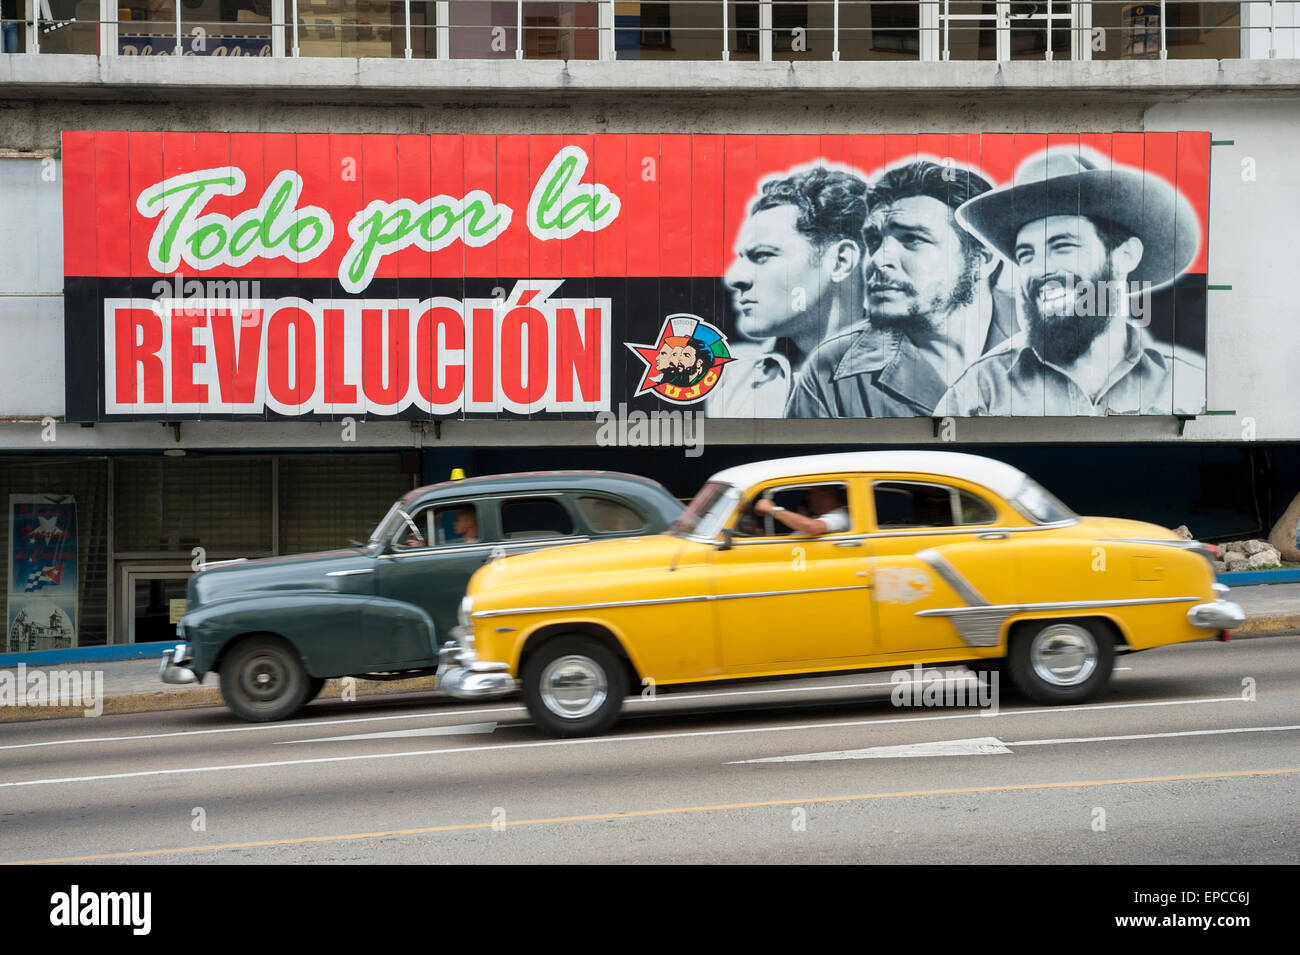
835, 562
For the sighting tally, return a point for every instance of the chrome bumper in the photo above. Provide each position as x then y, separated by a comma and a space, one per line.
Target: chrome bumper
463, 675
1218, 615
172, 670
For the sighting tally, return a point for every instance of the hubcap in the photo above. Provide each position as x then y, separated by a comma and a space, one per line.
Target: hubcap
264, 677
1064, 654
573, 686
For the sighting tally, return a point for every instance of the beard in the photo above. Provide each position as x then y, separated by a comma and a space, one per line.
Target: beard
1058, 334
929, 316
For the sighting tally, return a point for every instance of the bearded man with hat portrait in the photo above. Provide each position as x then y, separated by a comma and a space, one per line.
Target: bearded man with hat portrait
1088, 240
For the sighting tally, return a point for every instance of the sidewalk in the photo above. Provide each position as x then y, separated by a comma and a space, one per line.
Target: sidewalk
133, 686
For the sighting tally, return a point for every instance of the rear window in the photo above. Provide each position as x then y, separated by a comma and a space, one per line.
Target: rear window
914, 504
609, 517
529, 517
1039, 505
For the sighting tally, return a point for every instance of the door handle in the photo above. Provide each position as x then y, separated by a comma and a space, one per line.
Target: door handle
848, 543
349, 573
993, 536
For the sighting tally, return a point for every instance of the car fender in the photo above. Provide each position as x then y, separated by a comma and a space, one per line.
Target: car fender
335, 634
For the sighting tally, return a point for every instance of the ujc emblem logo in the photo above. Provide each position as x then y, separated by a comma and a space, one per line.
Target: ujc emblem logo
686, 362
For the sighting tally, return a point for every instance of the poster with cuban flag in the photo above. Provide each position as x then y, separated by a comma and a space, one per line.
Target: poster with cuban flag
43, 572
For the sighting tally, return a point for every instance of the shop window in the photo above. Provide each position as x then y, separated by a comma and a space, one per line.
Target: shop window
489, 30
786, 19
896, 28
327, 500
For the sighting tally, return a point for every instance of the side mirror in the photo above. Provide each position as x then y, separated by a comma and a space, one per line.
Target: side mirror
727, 535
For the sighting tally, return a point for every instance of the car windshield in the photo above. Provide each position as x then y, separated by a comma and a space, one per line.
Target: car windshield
385, 528
707, 512
1038, 504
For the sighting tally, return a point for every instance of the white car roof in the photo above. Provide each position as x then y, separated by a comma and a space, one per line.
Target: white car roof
994, 475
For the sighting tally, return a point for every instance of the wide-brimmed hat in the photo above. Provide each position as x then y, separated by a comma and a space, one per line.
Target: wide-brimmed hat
1079, 181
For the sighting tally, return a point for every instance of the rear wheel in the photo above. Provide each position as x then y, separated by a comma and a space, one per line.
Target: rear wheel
574, 686
1061, 661
263, 679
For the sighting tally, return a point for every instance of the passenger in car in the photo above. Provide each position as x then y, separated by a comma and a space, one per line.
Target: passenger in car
827, 502
466, 525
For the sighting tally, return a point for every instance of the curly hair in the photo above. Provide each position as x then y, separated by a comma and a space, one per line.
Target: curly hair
952, 185
832, 204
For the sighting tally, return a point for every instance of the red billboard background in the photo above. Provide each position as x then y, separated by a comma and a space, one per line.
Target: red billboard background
682, 199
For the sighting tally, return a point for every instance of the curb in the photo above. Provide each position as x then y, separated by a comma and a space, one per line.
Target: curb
202, 696
1269, 625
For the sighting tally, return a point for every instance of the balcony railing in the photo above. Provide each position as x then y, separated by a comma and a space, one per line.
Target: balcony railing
764, 31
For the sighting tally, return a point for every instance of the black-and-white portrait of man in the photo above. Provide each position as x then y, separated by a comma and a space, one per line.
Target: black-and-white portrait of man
1089, 243
796, 278
932, 305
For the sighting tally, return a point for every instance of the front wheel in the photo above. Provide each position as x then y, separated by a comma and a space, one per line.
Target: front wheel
263, 679
574, 686
1061, 661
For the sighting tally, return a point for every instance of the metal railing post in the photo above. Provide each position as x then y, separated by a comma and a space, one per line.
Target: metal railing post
1164, 51
1048, 26
519, 29
726, 52
946, 11
295, 27
835, 33
35, 45
611, 48
178, 27
1272, 29
406, 7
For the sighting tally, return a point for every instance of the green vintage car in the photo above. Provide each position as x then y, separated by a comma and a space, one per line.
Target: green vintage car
275, 629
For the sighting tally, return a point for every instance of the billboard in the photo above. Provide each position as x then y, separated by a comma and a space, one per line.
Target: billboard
308, 276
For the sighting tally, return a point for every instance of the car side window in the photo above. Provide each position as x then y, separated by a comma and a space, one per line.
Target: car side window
439, 526
907, 504
455, 524
609, 517
828, 502
529, 517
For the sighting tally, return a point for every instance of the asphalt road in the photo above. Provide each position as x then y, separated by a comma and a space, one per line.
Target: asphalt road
1177, 763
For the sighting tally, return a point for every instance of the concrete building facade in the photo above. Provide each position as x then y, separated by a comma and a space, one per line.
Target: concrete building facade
155, 495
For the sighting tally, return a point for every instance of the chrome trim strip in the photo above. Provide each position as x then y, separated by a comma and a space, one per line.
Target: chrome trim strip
350, 573
941, 566
695, 598
484, 614
801, 538
1054, 605
973, 529
1176, 542
452, 549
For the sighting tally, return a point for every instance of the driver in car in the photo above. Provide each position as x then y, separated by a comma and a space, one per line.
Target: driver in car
827, 502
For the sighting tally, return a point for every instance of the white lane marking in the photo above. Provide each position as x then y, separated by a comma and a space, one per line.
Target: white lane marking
517, 708
980, 746
1111, 739
298, 724
600, 740
986, 746
457, 729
